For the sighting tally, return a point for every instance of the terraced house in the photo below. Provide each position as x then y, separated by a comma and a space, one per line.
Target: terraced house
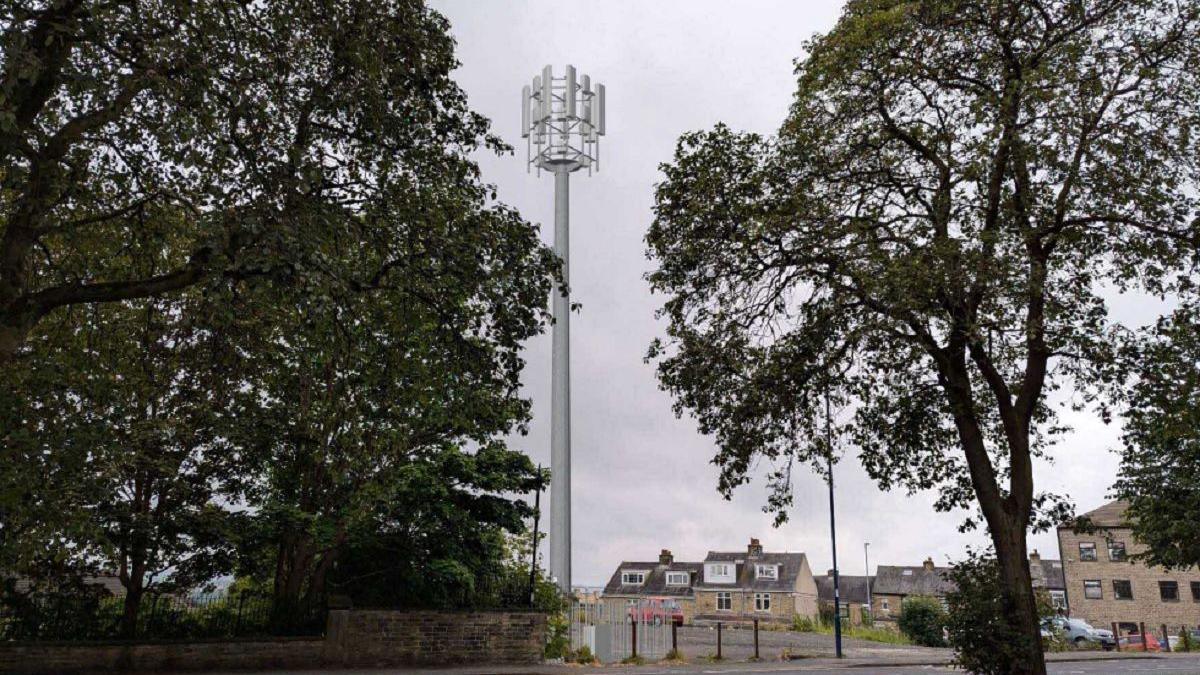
727, 586
1104, 586
755, 584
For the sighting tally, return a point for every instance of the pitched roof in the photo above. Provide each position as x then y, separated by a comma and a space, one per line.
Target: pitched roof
1048, 574
790, 565
1111, 514
656, 579
851, 589
895, 580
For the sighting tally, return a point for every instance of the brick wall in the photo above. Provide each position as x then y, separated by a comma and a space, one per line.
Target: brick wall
1146, 606
354, 638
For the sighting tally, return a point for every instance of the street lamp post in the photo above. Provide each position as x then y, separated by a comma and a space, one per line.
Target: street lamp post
867, 564
837, 598
562, 119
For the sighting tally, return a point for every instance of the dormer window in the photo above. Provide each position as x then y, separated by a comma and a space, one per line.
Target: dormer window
633, 577
718, 573
766, 572
677, 578
907, 573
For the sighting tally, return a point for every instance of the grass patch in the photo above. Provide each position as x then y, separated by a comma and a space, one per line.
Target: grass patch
804, 624
633, 661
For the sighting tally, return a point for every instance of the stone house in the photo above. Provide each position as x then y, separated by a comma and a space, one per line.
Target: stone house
894, 584
1048, 574
1103, 586
853, 592
664, 580
755, 584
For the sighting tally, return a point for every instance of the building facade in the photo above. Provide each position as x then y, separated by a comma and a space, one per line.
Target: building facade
665, 581
755, 584
853, 591
1105, 587
894, 584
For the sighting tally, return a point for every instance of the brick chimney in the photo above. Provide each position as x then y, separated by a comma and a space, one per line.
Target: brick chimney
928, 564
1034, 558
665, 557
755, 548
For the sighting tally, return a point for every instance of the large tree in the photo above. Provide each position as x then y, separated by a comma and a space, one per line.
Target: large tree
930, 241
1160, 463
257, 124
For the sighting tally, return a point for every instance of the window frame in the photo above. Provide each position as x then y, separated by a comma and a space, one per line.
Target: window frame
1195, 591
762, 602
759, 568
1096, 584
1117, 545
727, 597
1117, 593
687, 578
626, 575
1165, 584
1091, 546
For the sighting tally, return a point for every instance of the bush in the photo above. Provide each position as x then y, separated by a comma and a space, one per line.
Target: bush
922, 619
981, 633
584, 655
1186, 643
804, 624
558, 642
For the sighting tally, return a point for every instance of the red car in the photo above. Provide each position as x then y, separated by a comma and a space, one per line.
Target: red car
657, 613
1133, 643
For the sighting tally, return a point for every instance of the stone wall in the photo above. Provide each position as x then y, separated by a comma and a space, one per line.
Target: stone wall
1146, 605
354, 638
39, 658
367, 638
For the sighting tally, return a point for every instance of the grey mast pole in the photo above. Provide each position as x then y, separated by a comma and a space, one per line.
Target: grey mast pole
562, 120
560, 395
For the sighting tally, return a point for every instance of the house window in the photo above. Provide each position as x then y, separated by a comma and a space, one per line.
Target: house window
633, 578
1196, 591
718, 573
1092, 590
1116, 551
1122, 589
1058, 599
762, 602
766, 572
885, 605
677, 578
1087, 551
1168, 591
724, 601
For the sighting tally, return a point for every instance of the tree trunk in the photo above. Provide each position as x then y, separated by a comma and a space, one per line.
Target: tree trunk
133, 602
1019, 602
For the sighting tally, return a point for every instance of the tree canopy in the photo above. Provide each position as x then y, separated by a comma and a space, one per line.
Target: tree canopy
930, 240
245, 134
1160, 464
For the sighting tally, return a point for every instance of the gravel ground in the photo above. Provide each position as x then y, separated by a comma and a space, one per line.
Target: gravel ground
738, 644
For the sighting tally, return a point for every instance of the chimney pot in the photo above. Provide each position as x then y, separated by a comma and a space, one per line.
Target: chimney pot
665, 557
754, 548
928, 564
1035, 557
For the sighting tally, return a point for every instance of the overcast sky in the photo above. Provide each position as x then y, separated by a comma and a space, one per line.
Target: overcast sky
642, 478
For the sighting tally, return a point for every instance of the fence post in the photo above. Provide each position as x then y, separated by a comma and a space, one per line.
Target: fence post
756, 639
1166, 639
675, 638
1116, 636
635, 623
237, 624
1142, 627
718, 640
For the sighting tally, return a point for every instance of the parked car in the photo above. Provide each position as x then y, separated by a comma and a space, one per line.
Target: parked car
1079, 632
1133, 643
658, 613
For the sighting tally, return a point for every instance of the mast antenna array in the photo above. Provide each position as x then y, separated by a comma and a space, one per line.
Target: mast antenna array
562, 120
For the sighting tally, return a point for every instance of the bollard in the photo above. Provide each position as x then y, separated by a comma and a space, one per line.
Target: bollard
1166, 639
1142, 627
634, 639
675, 638
1116, 636
718, 640
756, 639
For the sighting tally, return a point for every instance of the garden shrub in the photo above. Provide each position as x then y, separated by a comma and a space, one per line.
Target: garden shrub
922, 619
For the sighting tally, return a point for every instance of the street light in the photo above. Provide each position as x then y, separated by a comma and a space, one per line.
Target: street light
837, 598
867, 563
562, 120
